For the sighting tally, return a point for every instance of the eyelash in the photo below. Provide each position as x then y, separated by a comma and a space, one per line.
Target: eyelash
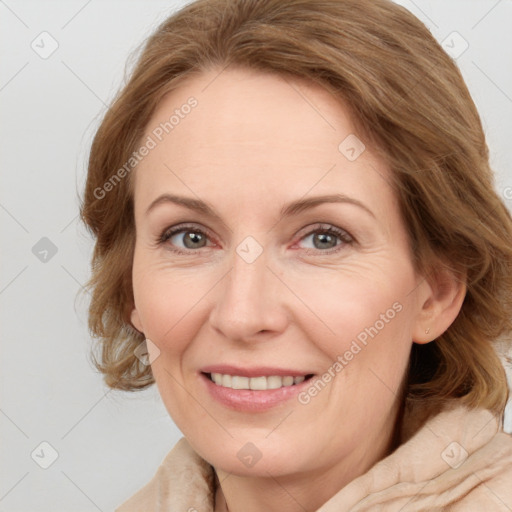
345, 237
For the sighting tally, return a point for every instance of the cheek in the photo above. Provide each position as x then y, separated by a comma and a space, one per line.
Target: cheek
357, 306
363, 325
166, 303
168, 307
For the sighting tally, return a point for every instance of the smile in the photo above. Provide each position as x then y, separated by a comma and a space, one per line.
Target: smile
261, 383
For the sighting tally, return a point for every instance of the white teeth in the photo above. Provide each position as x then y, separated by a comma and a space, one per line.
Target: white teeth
258, 383
239, 382
288, 381
255, 383
274, 382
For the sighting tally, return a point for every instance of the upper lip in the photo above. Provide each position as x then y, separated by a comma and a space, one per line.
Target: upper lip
254, 371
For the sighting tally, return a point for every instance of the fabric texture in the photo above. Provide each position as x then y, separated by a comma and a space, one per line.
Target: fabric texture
458, 461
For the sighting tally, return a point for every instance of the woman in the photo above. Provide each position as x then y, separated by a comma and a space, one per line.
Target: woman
359, 375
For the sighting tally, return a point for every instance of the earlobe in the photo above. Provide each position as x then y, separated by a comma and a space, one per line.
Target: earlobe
440, 305
135, 320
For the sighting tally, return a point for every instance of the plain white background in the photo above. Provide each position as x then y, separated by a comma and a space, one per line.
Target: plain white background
110, 443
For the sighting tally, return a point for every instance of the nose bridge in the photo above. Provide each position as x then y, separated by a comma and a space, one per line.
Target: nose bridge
248, 301
250, 270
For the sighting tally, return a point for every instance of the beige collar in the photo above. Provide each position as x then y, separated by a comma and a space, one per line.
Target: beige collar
458, 461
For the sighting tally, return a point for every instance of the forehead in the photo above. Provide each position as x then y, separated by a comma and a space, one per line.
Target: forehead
247, 108
256, 135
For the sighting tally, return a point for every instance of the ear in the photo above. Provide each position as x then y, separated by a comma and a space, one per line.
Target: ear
441, 299
135, 320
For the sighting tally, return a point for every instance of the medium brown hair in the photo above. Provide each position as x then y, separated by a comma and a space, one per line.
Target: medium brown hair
414, 110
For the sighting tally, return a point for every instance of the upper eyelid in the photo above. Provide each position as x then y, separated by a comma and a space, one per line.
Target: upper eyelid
179, 228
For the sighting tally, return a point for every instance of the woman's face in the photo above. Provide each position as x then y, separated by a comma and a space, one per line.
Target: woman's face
264, 283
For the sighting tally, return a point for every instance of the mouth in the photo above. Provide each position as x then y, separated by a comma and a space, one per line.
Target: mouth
256, 383
253, 389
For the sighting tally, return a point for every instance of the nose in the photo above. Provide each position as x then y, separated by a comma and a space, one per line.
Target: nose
250, 303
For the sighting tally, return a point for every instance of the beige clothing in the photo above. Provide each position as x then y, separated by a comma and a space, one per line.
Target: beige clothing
459, 461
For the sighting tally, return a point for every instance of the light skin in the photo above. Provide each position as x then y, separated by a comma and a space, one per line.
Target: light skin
254, 143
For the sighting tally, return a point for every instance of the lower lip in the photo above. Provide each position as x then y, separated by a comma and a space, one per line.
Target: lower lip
252, 400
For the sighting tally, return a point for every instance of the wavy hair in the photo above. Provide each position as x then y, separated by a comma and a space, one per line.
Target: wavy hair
409, 99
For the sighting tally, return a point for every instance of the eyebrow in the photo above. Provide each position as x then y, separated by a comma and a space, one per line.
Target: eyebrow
288, 210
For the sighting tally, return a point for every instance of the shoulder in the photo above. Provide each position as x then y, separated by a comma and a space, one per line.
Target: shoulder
489, 479
183, 481
459, 461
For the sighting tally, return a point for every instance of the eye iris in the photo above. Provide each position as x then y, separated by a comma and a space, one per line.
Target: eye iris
192, 237
326, 238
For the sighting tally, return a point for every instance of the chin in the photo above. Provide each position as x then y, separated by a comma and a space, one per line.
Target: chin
254, 456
